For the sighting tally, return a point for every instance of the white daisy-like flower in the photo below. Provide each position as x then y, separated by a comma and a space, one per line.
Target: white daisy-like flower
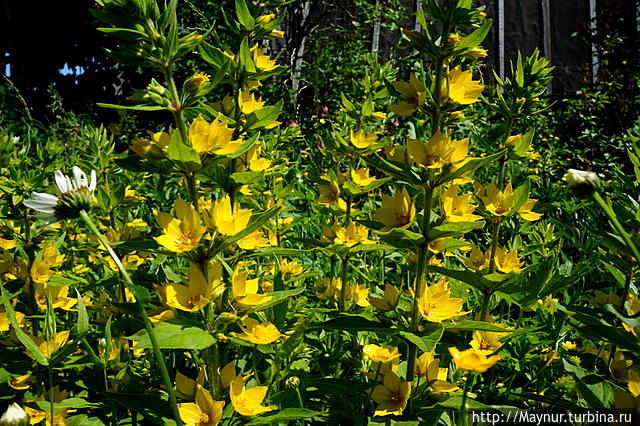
74, 195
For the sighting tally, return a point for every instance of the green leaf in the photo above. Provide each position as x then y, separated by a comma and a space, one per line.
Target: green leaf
401, 238
124, 33
352, 323
277, 297
520, 196
394, 169
27, 341
469, 166
429, 339
285, 415
521, 147
454, 229
256, 221
476, 325
246, 61
244, 16
264, 116
246, 178
82, 325
133, 107
175, 336
471, 278
183, 154
367, 107
475, 38
346, 103
151, 406
69, 403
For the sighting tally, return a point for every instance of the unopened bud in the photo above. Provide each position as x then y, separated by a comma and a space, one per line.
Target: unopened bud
14, 416
292, 382
581, 182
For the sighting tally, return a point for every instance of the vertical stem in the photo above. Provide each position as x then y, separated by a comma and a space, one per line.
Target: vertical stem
147, 323
464, 414
420, 279
51, 393
176, 109
616, 224
343, 278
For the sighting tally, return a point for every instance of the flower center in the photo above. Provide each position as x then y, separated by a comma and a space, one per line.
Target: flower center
204, 418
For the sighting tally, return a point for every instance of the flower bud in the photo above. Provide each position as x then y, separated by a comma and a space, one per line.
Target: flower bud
14, 416
292, 382
581, 182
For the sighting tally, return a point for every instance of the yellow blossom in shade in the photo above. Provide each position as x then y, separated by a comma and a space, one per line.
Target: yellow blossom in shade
330, 194
389, 301
186, 387
227, 375
245, 291
512, 139
57, 294
461, 88
361, 177
439, 151
262, 62
382, 354
226, 220
254, 240
477, 53
248, 102
7, 244
152, 149
398, 211
37, 416
5, 324
453, 39
290, 267
259, 333
392, 395
569, 345
634, 382
253, 160
525, 211
397, 154
362, 140
183, 232
205, 412
458, 208
436, 303
499, 203
247, 402
41, 272
161, 314
477, 260
198, 291
486, 342
352, 234
414, 95
428, 367
359, 294
21, 382
472, 360
265, 19
212, 137
48, 348
508, 261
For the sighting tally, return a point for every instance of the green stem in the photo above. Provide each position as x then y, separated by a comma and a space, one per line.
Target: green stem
464, 414
343, 277
486, 297
191, 188
176, 109
420, 279
147, 323
616, 224
51, 394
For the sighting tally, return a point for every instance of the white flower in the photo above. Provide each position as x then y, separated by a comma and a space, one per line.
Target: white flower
579, 177
15, 139
14, 415
74, 195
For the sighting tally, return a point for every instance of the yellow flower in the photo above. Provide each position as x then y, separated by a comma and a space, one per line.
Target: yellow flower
525, 211
513, 139
436, 303
196, 81
508, 261
398, 211
569, 345
477, 260
259, 333
57, 294
248, 102
382, 354
225, 220
21, 382
254, 240
41, 272
263, 62
351, 235
486, 342
212, 137
499, 203
247, 402
205, 412
461, 88
5, 324
414, 94
197, 293
48, 348
389, 301
472, 360
362, 140
477, 53
361, 177
428, 368
152, 149
265, 19
245, 291
438, 151
181, 233
292, 267
7, 244
453, 39
253, 161
392, 395
330, 194
458, 208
